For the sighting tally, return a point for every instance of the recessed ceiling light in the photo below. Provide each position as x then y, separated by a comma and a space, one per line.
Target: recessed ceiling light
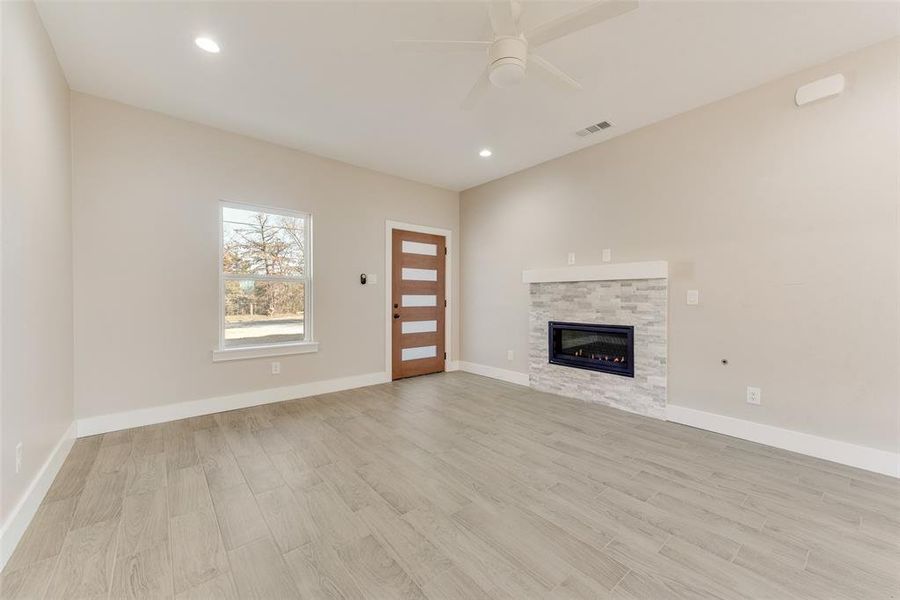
205, 43
485, 153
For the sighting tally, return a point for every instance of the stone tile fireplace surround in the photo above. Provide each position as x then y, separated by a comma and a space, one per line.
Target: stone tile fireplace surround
633, 294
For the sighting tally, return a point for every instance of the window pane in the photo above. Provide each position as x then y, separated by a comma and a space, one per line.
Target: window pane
262, 312
418, 326
262, 243
418, 248
418, 274
419, 352
419, 300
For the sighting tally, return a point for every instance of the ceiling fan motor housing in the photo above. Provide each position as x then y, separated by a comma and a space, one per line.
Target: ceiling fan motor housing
508, 56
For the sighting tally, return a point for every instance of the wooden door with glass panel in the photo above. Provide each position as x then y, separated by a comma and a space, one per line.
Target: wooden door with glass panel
418, 303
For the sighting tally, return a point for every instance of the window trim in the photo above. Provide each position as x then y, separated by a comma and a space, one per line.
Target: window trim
309, 343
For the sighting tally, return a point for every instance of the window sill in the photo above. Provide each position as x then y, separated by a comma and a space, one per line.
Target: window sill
264, 351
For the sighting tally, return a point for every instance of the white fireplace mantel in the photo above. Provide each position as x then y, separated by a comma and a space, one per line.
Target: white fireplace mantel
651, 269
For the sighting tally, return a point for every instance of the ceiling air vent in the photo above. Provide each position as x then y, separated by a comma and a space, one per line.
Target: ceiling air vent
594, 128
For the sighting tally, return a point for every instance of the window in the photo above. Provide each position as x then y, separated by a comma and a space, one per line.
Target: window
265, 282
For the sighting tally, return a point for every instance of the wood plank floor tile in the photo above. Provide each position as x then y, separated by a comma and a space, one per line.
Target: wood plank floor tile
85, 564
318, 572
421, 559
72, 476
101, 499
45, 536
143, 574
144, 523
260, 572
220, 587
288, 520
453, 486
188, 490
376, 572
146, 473
27, 583
259, 472
240, 520
198, 554
222, 470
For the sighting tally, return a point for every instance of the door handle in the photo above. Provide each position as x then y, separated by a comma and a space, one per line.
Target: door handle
396, 306
396, 316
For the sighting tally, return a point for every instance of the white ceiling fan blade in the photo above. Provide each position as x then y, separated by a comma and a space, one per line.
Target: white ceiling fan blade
442, 45
515, 9
553, 70
477, 92
502, 15
579, 19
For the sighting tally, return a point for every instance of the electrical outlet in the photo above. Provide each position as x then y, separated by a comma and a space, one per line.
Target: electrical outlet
20, 450
276, 368
571, 258
754, 395
607, 254
510, 355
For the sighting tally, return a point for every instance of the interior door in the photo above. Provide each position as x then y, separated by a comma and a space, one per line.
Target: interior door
419, 303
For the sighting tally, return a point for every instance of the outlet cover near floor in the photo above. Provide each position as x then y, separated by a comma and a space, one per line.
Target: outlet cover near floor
754, 395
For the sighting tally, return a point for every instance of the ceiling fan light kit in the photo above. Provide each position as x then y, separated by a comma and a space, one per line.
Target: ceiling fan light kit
508, 59
509, 55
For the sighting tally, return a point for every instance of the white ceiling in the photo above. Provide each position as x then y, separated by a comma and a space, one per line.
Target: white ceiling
325, 77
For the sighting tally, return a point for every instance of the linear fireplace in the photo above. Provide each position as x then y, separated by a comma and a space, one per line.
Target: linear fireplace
605, 348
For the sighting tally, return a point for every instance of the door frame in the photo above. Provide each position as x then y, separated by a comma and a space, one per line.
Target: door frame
389, 227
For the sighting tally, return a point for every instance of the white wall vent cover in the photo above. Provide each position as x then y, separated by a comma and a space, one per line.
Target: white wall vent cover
594, 128
819, 89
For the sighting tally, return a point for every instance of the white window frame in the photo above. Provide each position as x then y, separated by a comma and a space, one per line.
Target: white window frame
278, 349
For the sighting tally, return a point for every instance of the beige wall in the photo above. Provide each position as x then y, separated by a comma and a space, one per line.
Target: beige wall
36, 388
146, 190
785, 219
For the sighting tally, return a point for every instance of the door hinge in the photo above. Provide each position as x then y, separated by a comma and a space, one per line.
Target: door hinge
445, 356
445, 304
445, 250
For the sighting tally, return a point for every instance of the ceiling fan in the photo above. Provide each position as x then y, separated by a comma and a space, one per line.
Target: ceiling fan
511, 50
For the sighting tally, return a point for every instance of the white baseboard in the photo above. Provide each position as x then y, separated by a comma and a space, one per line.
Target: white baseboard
862, 457
18, 520
195, 408
494, 372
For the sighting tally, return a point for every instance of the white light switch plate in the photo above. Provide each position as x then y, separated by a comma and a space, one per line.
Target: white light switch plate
571, 258
607, 254
693, 297
372, 278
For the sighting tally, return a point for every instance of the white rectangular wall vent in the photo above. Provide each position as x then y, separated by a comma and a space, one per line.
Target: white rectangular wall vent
819, 89
594, 128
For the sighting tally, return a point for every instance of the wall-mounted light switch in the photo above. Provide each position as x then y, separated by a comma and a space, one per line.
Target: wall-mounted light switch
571, 258
607, 254
693, 297
276, 368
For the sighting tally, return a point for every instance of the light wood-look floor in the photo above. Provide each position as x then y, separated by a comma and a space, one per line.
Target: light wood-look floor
452, 486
